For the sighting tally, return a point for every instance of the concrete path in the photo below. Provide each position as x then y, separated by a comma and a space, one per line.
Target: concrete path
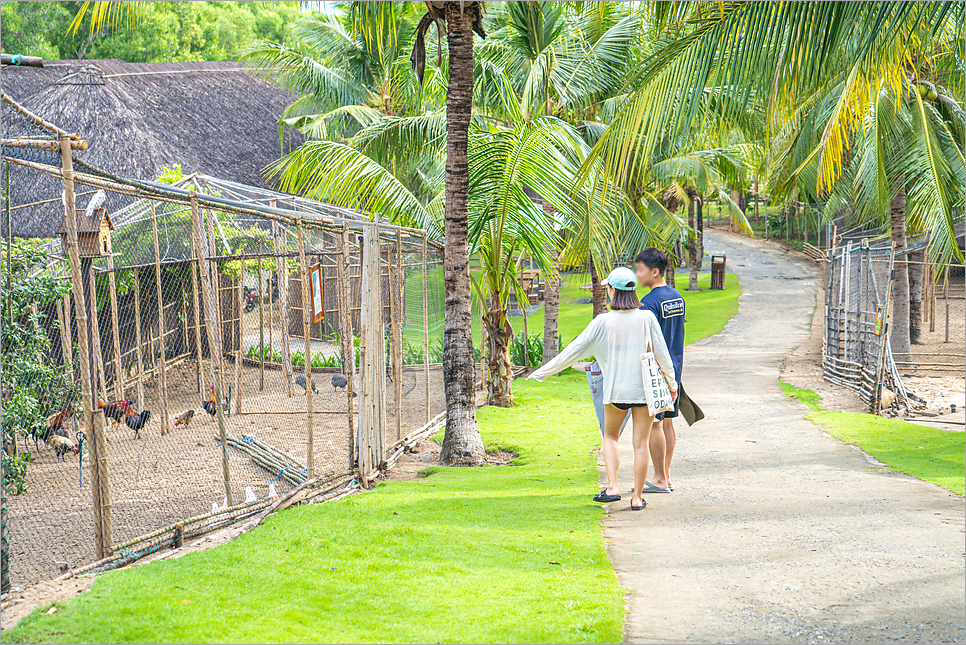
776, 532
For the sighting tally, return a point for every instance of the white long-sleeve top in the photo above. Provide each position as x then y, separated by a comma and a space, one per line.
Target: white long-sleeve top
617, 340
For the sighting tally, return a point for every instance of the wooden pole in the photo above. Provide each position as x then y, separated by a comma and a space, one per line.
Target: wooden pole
137, 338
425, 329
277, 232
102, 484
241, 336
102, 545
931, 276
394, 338
208, 299
307, 337
162, 372
261, 329
115, 330
96, 337
217, 353
345, 334
946, 298
66, 344
195, 306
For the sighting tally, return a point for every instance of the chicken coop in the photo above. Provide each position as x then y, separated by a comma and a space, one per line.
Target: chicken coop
230, 343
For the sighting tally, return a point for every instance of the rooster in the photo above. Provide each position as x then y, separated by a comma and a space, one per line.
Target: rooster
55, 426
137, 421
115, 410
184, 418
209, 405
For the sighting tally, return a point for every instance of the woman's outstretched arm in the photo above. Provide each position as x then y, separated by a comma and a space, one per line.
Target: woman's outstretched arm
581, 347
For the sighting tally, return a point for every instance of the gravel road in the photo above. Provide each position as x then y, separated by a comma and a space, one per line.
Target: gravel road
777, 532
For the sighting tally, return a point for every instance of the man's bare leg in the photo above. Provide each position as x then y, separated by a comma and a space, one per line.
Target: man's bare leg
658, 450
670, 439
643, 421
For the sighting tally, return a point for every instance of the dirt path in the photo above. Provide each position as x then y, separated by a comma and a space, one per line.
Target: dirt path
777, 532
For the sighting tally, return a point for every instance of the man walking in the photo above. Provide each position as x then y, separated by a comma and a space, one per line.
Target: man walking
667, 305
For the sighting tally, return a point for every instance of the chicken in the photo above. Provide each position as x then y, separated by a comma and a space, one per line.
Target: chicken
339, 381
209, 405
115, 410
184, 418
300, 381
62, 445
55, 425
137, 421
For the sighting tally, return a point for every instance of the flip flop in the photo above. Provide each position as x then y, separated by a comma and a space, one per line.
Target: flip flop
651, 488
670, 486
604, 498
639, 508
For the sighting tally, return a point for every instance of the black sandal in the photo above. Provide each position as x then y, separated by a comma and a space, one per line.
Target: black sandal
604, 498
639, 508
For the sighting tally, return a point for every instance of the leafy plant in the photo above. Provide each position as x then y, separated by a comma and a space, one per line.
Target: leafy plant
34, 386
534, 349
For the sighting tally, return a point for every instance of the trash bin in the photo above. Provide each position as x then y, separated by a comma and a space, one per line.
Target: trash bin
718, 271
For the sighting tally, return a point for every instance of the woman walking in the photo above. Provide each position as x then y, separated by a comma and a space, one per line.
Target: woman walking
617, 340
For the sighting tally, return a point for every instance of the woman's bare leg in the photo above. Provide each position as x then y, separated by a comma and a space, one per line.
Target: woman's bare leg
613, 419
642, 419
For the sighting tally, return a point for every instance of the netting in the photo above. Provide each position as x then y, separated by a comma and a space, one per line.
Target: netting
194, 295
856, 351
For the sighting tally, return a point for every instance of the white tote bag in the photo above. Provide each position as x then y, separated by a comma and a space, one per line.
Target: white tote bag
656, 391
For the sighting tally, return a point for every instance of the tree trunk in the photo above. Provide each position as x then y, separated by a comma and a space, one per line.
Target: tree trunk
916, 274
551, 306
598, 291
499, 333
900, 284
699, 212
461, 442
551, 329
692, 248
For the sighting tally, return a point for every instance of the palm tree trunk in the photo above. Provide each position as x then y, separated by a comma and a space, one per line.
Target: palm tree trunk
699, 215
916, 274
900, 283
598, 291
461, 442
499, 333
551, 306
692, 248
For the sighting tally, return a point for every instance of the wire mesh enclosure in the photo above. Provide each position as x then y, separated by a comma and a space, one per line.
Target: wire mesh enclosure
239, 342
856, 352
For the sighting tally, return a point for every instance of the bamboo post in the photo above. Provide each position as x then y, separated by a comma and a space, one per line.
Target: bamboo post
63, 316
162, 371
96, 334
946, 298
102, 545
101, 483
137, 339
307, 337
394, 337
241, 336
197, 325
184, 313
346, 337
283, 307
261, 330
115, 331
425, 329
208, 299
931, 276
217, 353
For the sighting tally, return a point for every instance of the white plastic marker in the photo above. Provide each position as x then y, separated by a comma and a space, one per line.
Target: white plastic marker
595, 380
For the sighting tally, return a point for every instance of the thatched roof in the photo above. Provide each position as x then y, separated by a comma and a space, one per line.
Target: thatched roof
209, 117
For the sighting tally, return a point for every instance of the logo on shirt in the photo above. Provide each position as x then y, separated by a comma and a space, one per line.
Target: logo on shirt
672, 308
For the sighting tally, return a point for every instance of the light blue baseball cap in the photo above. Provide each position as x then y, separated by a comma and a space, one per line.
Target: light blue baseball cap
622, 279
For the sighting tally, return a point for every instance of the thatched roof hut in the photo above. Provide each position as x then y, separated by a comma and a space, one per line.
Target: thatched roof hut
209, 117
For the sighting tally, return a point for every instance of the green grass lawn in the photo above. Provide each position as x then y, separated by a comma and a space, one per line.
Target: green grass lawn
707, 311
932, 455
509, 554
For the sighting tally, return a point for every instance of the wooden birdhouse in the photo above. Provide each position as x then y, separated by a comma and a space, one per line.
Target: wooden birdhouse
93, 233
